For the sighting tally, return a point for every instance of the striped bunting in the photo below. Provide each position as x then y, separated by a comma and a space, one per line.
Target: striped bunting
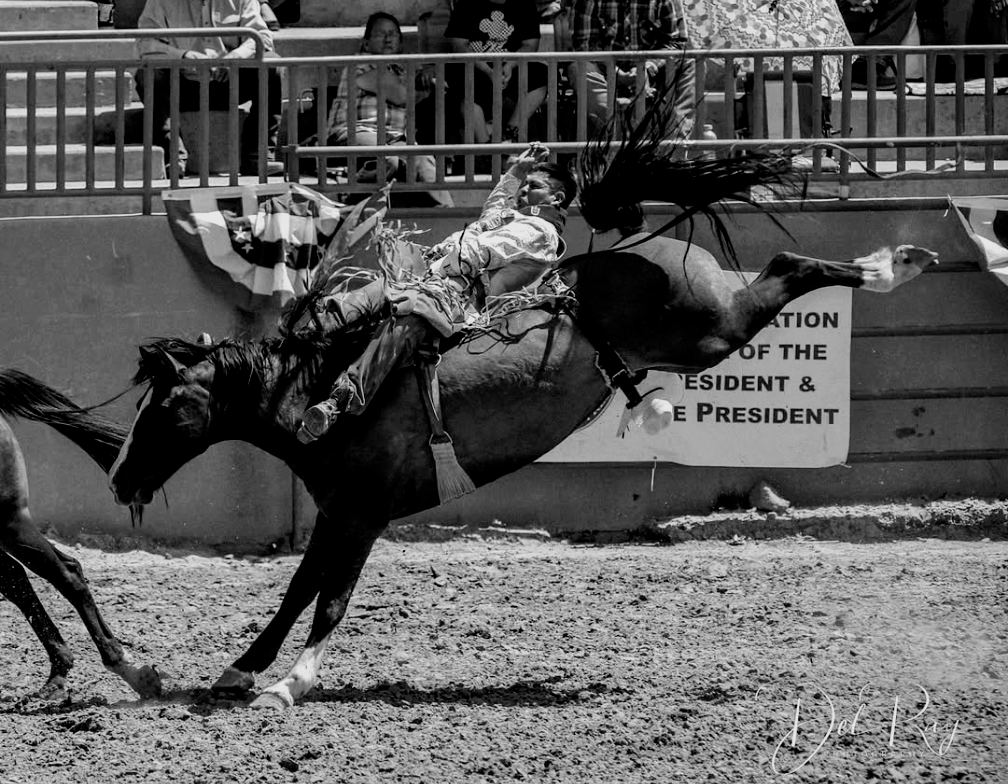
268, 237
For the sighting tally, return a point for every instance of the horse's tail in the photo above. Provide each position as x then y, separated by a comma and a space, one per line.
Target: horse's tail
28, 398
625, 164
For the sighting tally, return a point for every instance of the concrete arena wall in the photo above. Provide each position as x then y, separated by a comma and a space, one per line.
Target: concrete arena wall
81, 293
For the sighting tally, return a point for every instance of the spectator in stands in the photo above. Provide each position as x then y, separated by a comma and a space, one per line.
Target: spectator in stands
877, 23
757, 24
958, 22
495, 26
628, 26
221, 14
382, 36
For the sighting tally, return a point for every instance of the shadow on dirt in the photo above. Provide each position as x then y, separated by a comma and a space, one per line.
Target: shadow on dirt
204, 702
35, 705
541, 694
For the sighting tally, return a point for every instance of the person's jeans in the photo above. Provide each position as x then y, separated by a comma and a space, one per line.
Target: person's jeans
394, 341
220, 97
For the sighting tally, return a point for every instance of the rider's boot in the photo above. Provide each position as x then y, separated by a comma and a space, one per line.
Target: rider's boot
319, 418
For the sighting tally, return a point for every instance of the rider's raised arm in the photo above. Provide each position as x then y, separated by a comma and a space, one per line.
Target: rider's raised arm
502, 197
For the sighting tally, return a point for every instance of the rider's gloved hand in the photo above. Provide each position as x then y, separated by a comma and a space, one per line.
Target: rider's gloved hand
522, 165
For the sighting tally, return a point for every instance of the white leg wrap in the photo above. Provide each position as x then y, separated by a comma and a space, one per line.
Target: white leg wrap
877, 271
302, 676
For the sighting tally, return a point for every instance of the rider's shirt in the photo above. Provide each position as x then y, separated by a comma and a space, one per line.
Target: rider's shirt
525, 242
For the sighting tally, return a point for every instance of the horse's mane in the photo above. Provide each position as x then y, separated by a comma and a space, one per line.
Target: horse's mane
231, 355
626, 163
294, 359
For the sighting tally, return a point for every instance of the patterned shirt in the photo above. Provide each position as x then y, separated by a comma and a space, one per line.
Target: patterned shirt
367, 107
494, 27
628, 25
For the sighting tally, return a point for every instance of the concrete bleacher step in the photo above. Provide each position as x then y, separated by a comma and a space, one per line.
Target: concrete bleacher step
46, 125
916, 119
26, 15
79, 50
75, 88
76, 161
75, 118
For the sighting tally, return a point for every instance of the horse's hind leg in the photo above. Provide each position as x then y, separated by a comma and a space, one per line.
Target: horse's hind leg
789, 276
23, 540
343, 569
14, 584
303, 587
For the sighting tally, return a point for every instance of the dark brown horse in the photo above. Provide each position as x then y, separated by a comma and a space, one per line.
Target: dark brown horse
21, 543
658, 303
662, 305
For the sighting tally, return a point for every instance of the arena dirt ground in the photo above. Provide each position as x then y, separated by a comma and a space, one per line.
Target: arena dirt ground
528, 658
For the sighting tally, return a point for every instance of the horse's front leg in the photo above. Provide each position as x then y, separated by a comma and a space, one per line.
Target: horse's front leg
304, 586
342, 572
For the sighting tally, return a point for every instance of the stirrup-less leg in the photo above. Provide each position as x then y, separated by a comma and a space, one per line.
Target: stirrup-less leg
319, 418
389, 347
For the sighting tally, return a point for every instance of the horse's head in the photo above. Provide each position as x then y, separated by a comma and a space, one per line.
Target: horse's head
173, 420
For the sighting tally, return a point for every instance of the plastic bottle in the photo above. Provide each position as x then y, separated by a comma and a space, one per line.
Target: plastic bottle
707, 134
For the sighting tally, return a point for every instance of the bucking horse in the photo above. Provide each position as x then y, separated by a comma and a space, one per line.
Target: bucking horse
22, 544
508, 395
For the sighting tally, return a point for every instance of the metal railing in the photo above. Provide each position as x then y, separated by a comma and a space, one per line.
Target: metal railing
89, 185
884, 135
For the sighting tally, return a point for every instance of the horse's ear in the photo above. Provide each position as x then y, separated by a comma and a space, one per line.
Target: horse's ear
177, 366
204, 339
155, 356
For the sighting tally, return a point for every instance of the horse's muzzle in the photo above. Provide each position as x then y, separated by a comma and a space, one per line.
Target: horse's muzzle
137, 498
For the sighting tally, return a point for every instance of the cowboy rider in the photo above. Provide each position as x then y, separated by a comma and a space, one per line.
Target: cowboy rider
515, 241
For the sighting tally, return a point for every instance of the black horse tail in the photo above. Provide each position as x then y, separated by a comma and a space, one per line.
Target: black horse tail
625, 164
28, 398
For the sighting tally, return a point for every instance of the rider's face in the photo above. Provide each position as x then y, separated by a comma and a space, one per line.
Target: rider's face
537, 189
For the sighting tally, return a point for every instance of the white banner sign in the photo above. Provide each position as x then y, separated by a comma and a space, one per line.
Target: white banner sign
783, 400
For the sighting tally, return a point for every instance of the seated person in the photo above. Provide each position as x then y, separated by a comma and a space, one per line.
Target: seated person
960, 22
495, 26
513, 244
756, 24
175, 14
876, 23
382, 36
633, 26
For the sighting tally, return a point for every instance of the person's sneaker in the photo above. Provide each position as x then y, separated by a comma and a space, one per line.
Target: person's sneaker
317, 420
885, 74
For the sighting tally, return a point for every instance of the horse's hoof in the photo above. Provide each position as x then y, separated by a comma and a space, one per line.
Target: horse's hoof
145, 681
54, 692
271, 700
234, 681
